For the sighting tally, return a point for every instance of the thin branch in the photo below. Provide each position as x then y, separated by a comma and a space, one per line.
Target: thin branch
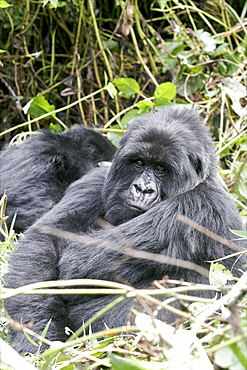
208, 233
123, 249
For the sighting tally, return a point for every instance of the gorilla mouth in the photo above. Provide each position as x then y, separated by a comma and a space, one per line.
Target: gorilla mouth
141, 208
136, 208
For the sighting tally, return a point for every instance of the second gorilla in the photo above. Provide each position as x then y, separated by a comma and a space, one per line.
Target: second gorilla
36, 173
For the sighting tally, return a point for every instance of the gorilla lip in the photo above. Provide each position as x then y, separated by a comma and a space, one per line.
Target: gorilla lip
135, 207
141, 209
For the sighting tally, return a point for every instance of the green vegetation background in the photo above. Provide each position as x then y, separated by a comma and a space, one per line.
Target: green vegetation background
100, 63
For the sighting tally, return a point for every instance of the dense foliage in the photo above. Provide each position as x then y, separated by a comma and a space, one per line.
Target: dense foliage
100, 63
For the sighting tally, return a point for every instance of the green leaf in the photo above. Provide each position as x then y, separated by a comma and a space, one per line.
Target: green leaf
121, 363
221, 49
44, 332
227, 68
165, 91
39, 106
56, 128
194, 83
174, 47
241, 233
53, 3
111, 89
144, 105
128, 117
162, 3
162, 103
170, 65
4, 4
241, 186
226, 358
211, 93
111, 45
209, 43
194, 69
219, 275
114, 137
234, 88
127, 86
239, 350
30, 339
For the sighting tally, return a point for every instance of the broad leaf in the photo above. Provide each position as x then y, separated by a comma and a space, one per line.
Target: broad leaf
219, 275
128, 117
39, 106
127, 86
144, 105
114, 137
241, 233
121, 363
4, 4
165, 91
111, 90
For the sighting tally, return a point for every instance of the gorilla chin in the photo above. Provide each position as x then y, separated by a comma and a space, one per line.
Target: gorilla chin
164, 166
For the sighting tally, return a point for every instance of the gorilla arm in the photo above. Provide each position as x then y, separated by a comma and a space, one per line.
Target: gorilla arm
157, 231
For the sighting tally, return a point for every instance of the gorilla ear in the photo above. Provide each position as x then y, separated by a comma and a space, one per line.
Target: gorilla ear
197, 164
60, 161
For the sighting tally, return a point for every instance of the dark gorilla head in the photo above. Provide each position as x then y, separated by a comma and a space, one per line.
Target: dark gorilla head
164, 153
36, 173
69, 155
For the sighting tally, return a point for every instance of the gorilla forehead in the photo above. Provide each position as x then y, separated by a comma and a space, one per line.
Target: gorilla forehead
172, 123
151, 143
166, 131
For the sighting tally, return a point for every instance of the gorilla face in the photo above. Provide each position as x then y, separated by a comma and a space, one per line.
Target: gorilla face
145, 190
163, 154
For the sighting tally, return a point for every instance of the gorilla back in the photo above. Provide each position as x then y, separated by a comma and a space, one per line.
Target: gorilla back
36, 173
165, 166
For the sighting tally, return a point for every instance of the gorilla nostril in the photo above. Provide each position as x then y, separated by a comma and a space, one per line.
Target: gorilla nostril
149, 191
150, 188
144, 188
138, 188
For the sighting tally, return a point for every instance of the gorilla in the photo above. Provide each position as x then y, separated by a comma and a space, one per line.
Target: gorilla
36, 173
165, 166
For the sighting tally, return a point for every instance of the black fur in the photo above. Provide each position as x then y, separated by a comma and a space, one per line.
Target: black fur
36, 173
175, 146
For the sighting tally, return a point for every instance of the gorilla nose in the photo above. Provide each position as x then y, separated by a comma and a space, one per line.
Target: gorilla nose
143, 194
145, 188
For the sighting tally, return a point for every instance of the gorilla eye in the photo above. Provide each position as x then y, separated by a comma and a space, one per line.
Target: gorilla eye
138, 162
159, 168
